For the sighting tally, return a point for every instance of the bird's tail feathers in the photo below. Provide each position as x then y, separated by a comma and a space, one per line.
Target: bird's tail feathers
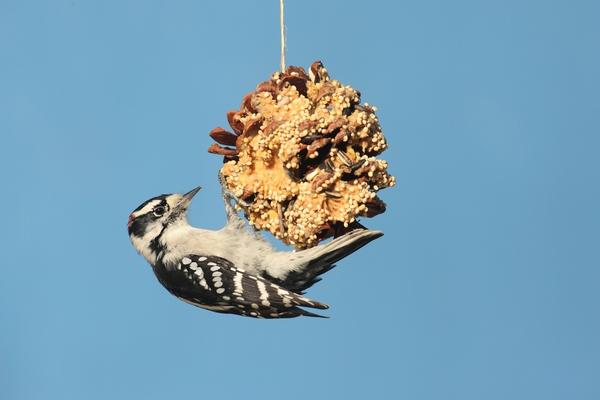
310, 314
294, 312
311, 263
342, 246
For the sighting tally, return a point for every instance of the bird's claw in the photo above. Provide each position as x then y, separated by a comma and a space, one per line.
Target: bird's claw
232, 202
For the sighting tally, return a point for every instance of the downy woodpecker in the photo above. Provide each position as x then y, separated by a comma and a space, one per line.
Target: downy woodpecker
232, 270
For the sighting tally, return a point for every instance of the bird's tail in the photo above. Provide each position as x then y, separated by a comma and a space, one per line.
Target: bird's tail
311, 263
292, 313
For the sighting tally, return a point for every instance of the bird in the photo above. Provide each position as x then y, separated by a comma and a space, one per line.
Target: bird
233, 270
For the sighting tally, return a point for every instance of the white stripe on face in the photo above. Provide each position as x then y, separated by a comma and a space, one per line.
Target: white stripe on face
146, 209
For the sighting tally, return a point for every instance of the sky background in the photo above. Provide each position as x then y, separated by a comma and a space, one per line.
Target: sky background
485, 286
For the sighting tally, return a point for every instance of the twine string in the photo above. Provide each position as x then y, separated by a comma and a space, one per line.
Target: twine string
282, 31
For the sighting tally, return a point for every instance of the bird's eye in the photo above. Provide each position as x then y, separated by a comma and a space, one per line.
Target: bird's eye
159, 211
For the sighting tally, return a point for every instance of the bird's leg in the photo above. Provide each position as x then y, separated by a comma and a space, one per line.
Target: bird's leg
230, 200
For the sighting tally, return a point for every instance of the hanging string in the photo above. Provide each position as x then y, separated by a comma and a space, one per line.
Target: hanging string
282, 30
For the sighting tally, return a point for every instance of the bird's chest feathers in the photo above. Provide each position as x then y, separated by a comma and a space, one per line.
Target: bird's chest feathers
179, 242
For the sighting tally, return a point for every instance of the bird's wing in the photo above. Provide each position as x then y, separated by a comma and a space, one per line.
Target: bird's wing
216, 284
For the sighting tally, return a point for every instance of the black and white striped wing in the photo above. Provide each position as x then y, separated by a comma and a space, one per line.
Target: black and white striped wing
216, 284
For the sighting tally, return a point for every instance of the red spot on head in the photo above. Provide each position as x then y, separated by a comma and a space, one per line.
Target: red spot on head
130, 221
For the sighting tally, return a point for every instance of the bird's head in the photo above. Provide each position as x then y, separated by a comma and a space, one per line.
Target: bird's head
148, 222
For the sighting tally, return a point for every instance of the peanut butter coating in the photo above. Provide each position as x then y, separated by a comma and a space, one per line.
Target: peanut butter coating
303, 155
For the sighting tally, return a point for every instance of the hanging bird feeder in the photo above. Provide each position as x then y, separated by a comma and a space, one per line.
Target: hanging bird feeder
301, 156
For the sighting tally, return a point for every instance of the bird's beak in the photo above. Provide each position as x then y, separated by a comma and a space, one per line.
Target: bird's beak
185, 201
190, 195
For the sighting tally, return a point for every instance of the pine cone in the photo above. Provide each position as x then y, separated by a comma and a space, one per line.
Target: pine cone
302, 155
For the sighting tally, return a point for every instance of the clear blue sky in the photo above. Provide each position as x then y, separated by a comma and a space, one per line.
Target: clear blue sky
486, 285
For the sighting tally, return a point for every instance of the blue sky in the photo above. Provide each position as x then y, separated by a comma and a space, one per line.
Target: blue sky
485, 285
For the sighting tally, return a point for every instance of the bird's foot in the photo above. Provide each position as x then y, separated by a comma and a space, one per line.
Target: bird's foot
232, 202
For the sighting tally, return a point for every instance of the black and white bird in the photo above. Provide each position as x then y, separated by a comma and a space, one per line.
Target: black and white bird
232, 270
